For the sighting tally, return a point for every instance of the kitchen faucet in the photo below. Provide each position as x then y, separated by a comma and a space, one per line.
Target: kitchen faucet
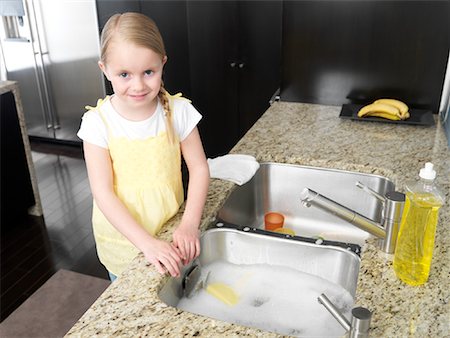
386, 231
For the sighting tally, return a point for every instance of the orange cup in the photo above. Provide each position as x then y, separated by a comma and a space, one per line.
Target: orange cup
273, 220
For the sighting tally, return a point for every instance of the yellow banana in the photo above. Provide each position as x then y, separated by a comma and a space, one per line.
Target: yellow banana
380, 109
384, 115
401, 106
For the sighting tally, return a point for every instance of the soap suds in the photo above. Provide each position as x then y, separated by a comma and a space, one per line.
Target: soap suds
272, 298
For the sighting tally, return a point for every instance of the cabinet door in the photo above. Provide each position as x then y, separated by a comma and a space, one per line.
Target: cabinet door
235, 59
171, 19
213, 51
260, 56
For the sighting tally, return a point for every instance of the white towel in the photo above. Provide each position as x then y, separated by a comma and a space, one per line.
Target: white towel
236, 168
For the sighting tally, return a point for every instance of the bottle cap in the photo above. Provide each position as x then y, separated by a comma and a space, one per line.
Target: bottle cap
427, 172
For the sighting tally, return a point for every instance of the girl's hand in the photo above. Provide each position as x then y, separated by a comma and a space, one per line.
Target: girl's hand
186, 239
164, 256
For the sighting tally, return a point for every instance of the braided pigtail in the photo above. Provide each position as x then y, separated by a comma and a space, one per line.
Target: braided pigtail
163, 96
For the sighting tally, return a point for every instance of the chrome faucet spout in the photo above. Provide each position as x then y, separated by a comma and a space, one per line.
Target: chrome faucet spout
387, 231
310, 197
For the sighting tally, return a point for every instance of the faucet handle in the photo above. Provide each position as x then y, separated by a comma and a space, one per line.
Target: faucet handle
370, 191
360, 322
392, 217
394, 206
360, 326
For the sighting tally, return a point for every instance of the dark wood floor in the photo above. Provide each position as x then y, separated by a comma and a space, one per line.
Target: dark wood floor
34, 248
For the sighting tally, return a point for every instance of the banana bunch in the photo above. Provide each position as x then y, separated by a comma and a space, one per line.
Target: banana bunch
386, 108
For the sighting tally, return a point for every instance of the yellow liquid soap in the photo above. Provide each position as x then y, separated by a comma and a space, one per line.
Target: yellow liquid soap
415, 243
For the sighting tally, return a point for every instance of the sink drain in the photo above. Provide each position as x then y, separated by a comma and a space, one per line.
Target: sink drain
257, 302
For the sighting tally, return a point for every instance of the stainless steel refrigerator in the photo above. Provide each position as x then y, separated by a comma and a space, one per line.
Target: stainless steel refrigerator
51, 47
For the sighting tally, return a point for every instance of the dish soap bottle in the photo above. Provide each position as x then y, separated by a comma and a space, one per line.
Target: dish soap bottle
415, 242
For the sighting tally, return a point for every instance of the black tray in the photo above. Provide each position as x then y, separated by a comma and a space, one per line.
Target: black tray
417, 116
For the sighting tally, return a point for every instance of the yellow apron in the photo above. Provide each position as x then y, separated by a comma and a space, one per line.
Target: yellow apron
147, 179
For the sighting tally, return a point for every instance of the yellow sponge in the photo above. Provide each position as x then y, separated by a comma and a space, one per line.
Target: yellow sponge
286, 231
223, 293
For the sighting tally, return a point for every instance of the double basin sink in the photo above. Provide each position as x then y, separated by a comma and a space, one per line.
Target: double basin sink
276, 278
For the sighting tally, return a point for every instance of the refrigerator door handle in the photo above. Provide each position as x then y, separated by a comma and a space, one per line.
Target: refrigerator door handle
38, 25
34, 16
37, 62
53, 115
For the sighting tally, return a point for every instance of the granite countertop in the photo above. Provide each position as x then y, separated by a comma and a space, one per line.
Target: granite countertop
312, 135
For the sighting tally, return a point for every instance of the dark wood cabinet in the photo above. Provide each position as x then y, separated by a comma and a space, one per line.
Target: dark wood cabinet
337, 52
260, 28
223, 55
235, 63
16, 188
214, 57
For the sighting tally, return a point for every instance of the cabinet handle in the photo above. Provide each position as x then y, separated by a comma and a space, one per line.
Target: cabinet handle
239, 65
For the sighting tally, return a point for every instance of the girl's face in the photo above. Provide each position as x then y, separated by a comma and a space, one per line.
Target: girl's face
135, 73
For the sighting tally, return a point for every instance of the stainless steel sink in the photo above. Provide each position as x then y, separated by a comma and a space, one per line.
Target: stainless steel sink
277, 187
277, 281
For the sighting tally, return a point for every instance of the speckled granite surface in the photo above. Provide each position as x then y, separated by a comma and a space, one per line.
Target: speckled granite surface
13, 86
308, 135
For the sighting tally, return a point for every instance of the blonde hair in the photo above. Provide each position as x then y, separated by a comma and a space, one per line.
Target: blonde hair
142, 31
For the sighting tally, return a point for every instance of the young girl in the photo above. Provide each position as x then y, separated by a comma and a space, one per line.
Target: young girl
133, 143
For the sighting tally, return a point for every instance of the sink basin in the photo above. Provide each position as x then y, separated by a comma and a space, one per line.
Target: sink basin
277, 187
277, 281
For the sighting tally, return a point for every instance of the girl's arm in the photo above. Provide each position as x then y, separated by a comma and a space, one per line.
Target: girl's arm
186, 236
163, 255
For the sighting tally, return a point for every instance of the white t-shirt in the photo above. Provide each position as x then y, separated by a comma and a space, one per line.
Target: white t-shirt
93, 129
